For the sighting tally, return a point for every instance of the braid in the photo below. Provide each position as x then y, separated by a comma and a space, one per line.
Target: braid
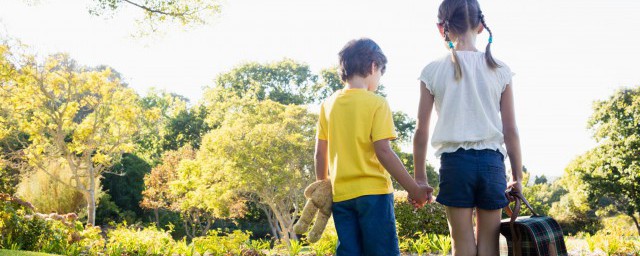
454, 55
487, 54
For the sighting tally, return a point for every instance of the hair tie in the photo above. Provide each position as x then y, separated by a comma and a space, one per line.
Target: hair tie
450, 44
491, 39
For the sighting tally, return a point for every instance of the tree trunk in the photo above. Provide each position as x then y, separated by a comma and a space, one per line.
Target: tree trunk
155, 212
635, 220
286, 226
91, 214
272, 223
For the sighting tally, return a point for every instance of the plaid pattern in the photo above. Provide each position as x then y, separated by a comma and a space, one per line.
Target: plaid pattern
541, 236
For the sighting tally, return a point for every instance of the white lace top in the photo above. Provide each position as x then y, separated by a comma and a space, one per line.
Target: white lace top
469, 109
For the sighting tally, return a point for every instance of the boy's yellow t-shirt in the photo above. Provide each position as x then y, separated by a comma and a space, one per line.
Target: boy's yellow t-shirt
350, 121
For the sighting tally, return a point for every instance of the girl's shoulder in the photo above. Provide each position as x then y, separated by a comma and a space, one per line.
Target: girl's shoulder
436, 64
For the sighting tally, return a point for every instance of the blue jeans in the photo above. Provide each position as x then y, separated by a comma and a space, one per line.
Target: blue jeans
366, 225
473, 178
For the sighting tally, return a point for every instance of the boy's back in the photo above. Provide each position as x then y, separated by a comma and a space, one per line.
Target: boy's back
350, 121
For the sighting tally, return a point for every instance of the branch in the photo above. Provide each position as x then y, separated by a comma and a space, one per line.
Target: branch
146, 8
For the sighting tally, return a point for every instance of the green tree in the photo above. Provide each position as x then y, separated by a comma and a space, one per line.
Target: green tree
286, 82
125, 183
573, 210
173, 125
264, 151
85, 117
540, 180
202, 194
612, 169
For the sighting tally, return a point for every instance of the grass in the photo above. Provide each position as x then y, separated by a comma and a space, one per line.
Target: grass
23, 253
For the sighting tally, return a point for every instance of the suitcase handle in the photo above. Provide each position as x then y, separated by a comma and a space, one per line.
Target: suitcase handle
517, 240
515, 212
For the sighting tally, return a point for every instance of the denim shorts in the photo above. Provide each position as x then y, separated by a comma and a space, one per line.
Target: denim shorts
366, 225
473, 178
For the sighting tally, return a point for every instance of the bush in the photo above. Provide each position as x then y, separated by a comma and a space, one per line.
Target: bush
328, 242
217, 243
21, 230
148, 241
430, 219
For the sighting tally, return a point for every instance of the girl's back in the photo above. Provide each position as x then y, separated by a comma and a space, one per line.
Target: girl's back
469, 107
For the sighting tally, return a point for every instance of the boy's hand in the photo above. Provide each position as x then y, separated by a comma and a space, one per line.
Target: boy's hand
422, 196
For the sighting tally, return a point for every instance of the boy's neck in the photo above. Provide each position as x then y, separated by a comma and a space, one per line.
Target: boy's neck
356, 82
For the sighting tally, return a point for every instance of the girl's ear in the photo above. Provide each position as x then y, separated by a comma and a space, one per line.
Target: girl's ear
374, 67
480, 28
441, 29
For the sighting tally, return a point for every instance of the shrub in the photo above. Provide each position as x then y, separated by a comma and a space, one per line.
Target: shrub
21, 229
217, 243
148, 241
328, 242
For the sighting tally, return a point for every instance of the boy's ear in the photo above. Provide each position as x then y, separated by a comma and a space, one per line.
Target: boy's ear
441, 29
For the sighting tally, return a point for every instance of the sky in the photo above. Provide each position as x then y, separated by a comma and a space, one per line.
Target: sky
566, 54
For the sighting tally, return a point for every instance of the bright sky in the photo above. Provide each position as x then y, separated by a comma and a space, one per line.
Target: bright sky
565, 54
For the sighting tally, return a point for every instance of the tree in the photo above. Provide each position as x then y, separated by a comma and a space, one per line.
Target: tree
174, 125
540, 180
612, 169
86, 118
264, 151
286, 82
573, 210
157, 194
125, 182
159, 12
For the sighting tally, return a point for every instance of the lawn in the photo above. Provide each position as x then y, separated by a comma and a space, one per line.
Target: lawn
22, 253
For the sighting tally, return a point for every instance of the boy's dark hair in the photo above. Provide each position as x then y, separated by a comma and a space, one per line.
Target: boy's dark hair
457, 17
356, 58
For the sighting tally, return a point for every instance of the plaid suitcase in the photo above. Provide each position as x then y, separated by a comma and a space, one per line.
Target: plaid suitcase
531, 236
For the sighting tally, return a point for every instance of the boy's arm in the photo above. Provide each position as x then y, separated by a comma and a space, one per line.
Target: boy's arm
321, 159
511, 137
394, 166
421, 137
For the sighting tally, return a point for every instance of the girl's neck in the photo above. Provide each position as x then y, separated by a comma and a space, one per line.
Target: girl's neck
466, 42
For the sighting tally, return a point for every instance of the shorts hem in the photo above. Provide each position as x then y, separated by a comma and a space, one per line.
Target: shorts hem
454, 204
493, 206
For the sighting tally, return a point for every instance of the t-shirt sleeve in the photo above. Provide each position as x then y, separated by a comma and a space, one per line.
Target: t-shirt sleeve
383, 127
504, 75
426, 76
321, 127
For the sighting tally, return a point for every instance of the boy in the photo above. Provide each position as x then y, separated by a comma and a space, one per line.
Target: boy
354, 129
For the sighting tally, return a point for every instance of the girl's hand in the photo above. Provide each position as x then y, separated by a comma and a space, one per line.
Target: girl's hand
514, 186
425, 195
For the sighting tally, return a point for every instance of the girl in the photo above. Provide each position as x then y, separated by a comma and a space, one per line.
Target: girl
473, 97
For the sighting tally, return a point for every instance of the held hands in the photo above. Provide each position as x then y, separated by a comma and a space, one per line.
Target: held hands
422, 196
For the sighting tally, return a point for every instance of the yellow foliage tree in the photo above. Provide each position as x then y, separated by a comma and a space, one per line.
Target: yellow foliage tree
86, 117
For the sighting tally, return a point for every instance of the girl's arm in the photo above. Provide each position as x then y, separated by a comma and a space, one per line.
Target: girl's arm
390, 161
421, 136
322, 170
511, 137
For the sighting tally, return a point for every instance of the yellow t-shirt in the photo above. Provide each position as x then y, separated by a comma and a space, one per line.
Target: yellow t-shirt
350, 121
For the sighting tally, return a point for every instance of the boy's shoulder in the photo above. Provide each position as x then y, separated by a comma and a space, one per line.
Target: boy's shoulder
366, 95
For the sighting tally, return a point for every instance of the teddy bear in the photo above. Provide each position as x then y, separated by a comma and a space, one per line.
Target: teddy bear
319, 199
